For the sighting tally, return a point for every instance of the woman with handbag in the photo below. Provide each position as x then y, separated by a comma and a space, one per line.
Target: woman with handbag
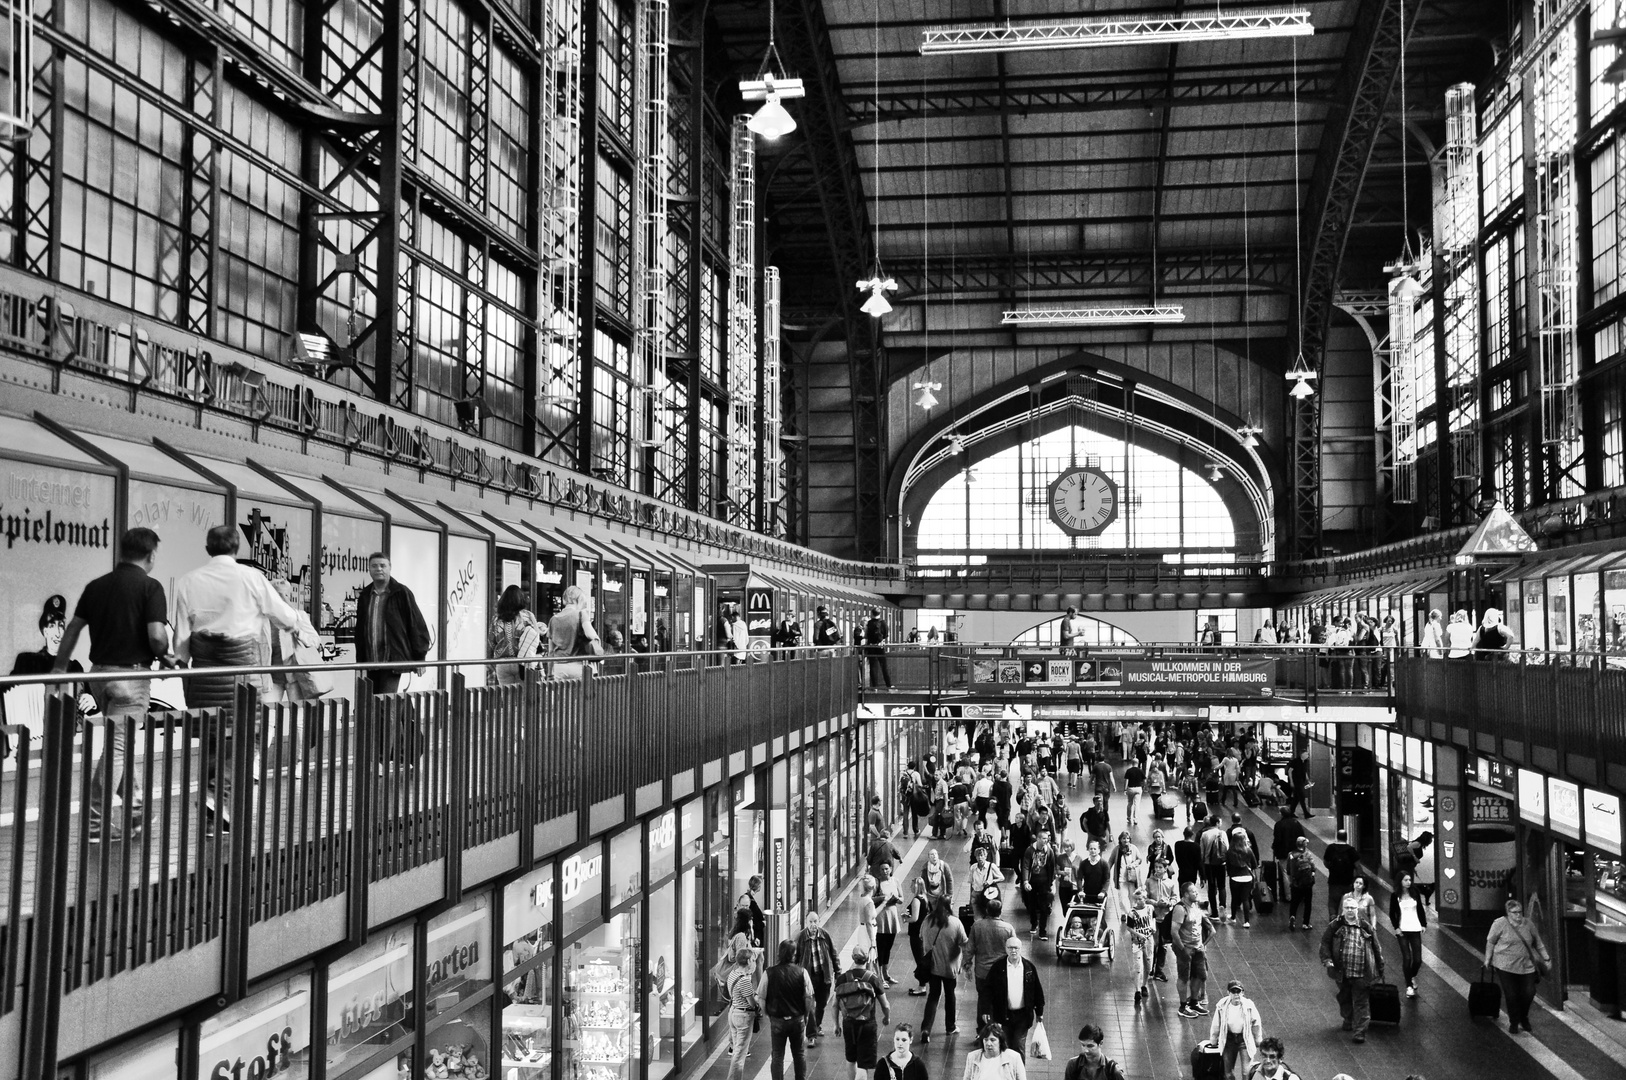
914, 913
735, 972
571, 633
944, 939
1513, 950
1408, 916
888, 921
514, 632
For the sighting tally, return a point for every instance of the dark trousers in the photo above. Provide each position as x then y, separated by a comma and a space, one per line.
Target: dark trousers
878, 673
1300, 797
787, 1030
821, 999
1299, 905
984, 1002
916, 949
942, 986
1518, 993
386, 682
1016, 1026
1355, 1001
883, 948
1241, 900
1215, 876
1165, 937
1411, 954
1038, 904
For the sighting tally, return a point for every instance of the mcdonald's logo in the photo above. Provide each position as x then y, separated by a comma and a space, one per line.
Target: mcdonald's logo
759, 600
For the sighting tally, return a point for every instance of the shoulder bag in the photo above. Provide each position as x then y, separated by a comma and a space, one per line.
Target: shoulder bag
584, 645
1543, 967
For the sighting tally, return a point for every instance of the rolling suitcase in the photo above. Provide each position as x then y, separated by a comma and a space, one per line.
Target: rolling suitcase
1484, 997
1385, 997
1207, 1062
1164, 806
1007, 857
1264, 888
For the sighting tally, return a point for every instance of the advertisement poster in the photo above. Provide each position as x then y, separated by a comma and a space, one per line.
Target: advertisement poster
1492, 851
56, 525
1128, 676
466, 598
759, 612
182, 518
264, 1035
346, 543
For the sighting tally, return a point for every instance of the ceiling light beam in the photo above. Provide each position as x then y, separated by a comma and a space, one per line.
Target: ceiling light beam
1142, 315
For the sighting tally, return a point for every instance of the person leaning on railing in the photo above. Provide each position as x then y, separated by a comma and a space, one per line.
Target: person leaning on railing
389, 626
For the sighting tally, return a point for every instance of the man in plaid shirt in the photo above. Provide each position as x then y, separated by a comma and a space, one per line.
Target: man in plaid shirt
1350, 951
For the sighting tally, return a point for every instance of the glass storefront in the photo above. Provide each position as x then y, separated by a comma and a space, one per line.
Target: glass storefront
268, 1033
369, 1005
601, 1009
528, 977
662, 999
457, 988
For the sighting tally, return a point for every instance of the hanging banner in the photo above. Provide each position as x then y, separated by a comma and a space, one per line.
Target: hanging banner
1119, 675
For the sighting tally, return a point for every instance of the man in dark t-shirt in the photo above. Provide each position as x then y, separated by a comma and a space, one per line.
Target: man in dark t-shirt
127, 616
1341, 859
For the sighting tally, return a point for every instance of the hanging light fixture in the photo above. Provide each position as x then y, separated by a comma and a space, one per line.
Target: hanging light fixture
956, 444
772, 120
877, 287
1249, 433
1300, 377
1215, 474
971, 474
927, 399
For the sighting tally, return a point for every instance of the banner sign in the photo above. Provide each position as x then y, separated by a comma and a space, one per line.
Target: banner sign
1169, 676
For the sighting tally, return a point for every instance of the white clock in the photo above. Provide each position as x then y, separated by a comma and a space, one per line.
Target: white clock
1083, 501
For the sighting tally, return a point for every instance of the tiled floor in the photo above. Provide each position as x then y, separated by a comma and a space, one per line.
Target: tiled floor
1436, 1038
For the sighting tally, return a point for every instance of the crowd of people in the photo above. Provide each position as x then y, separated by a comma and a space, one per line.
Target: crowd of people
1159, 889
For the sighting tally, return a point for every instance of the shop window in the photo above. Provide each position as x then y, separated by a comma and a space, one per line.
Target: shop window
663, 846
458, 956
601, 1011
719, 901
1558, 613
369, 999
581, 889
626, 865
692, 966
669, 1003
528, 978
268, 1033
1588, 619
154, 1058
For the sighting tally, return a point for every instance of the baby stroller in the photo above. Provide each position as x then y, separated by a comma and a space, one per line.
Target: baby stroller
1085, 933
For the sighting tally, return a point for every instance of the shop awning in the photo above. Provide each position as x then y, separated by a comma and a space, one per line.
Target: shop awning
586, 542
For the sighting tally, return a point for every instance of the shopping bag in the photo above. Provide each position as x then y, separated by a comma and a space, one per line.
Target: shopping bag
313, 683
1039, 1043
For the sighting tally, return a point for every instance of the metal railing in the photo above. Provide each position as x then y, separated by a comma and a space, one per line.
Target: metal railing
270, 810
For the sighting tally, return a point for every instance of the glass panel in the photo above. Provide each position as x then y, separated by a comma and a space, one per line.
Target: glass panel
157, 1058
663, 1001
265, 1034
1558, 613
626, 864
459, 957
662, 610
1614, 611
527, 1021
663, 845
719, 897
693, 966
581, 888
369, 993
601, 1014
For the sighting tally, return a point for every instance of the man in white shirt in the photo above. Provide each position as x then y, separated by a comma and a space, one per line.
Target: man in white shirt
221, 611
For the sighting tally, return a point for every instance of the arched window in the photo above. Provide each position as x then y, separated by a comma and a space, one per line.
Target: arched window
1095, 632
1162, 505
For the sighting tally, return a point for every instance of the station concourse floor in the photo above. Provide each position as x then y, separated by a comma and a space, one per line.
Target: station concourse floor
1436, 1039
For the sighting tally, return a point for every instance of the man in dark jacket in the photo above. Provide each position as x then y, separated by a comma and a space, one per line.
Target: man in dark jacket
1038, 883
1285, 836
1350, 951
875, 637
1016, 1009
389, 627
785, 996
816, 953
1341, 859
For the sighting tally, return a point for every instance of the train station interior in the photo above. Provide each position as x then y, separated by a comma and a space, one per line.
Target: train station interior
753, 467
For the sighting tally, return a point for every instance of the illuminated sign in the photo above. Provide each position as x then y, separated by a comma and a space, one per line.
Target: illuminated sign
1564, 807
1603, 821
1532, 797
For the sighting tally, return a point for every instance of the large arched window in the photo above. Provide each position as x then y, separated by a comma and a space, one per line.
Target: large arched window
1095, 632
1162, 505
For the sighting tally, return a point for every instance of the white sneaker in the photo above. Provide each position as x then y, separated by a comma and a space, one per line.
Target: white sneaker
1411, 991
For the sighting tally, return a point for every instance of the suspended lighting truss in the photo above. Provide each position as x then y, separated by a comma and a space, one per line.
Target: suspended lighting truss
774, 478
1157, 314
1459, 260
1125, 30
651, 190
1405, 295
741, 439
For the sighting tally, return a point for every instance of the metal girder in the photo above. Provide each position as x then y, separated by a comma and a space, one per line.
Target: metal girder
908, 103
1371, 67
1266, 267
804, 41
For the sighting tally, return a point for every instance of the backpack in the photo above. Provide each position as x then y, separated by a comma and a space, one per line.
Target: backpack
1215, 847
855, 996
1302, 867
1189, 785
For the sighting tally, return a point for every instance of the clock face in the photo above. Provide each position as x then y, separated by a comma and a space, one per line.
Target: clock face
1083, 501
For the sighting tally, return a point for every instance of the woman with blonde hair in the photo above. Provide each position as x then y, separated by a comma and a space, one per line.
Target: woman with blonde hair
736, 973
571, 633
993, 1060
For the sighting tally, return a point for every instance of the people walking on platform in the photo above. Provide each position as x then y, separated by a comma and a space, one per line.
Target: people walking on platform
390, 628
994, 1058
1364, 901
735, 973
1092, 1063
1188, 860
1514, 951
889, 905
1285, 836
1241, 866
1215, 846
1015, 996
985, 948
984, 871
1102, 776
816, 953
1300, 871
860, 995
1073, 751
1128, 873
1037, 880
1341, 859
1141, 926
914, 917
736, 634
1192, 928
1163, 892
902, 1063
1272, 1064
1134, 785
1299, 777
1408, 917
785, 996
1093, 875
1236, 1029
1350, 951
127, 616
1096, 822
944, 939
868, 929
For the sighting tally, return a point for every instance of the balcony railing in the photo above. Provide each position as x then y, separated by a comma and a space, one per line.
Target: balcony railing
273, 830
